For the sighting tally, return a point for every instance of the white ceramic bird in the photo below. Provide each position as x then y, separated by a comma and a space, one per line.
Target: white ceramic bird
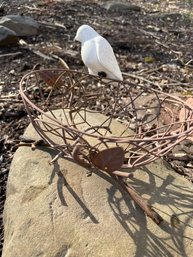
97, 54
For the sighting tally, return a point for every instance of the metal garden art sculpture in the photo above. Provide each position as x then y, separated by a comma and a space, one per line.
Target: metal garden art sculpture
77, 114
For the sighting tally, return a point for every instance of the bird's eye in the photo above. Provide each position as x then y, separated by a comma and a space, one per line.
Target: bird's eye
102, 74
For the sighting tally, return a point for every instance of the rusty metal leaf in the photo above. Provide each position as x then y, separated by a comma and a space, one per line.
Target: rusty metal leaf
109, 160
50, 78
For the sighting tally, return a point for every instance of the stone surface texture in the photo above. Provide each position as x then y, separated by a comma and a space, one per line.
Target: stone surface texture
57, 211
21, 25
7, 37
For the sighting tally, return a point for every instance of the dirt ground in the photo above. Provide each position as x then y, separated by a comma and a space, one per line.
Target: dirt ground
150, 43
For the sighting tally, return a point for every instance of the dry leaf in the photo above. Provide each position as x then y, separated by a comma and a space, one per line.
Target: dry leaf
149, 59
184, 112
109, 159
174, 220
187, 114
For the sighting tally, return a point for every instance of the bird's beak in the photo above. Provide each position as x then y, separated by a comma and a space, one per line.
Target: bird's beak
75, 38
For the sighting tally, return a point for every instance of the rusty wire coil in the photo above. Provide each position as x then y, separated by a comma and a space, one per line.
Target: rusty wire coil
89, 109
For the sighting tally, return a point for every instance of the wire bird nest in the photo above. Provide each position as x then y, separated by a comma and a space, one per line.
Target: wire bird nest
103, 123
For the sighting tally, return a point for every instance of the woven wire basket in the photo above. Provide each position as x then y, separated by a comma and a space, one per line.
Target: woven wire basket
104, 123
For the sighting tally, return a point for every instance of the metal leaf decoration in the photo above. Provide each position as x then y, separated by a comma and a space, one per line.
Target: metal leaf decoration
50, 78
109, 160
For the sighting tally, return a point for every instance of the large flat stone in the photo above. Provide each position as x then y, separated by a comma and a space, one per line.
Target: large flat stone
21, 25
8, 37
56, 210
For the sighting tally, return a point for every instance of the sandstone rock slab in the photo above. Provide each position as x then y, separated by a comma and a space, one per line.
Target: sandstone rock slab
56, 210
93, 119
